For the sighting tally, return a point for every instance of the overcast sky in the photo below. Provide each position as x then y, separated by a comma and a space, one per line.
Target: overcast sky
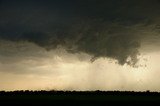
80, 44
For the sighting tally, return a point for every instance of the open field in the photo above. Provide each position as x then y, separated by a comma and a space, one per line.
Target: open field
74, 97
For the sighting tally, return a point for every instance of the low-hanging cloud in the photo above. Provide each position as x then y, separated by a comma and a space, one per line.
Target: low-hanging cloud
112, 29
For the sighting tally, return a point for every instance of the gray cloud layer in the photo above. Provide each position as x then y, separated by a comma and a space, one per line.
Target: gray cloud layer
112, 29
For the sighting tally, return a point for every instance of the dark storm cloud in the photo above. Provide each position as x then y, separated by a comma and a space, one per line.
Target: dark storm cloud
101, 28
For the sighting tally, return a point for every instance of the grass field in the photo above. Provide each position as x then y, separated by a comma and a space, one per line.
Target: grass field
74, 97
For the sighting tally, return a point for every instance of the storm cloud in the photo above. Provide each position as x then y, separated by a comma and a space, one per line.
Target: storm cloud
101, 28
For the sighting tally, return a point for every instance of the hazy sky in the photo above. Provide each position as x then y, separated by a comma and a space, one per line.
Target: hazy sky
80, 44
